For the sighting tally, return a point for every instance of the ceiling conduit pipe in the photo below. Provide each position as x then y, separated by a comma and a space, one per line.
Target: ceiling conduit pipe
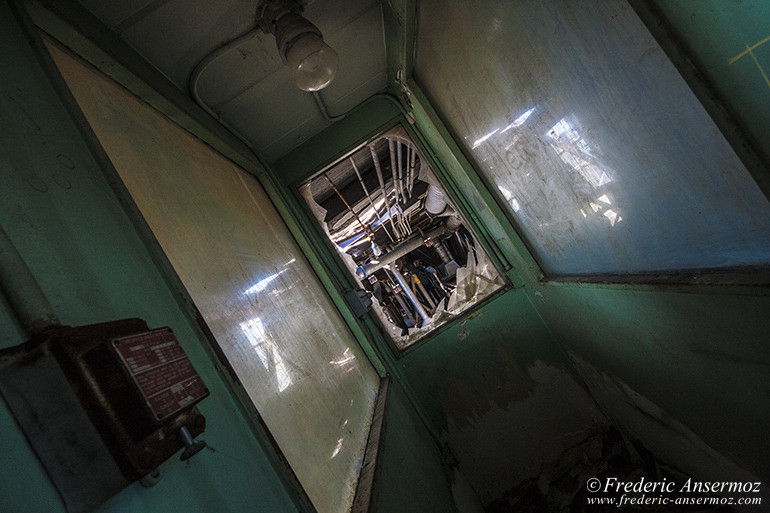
412, 159
408, 291
371, 203
400, 171
393, 168
378, 169
319, 102
400, 221
19, 287
402, 250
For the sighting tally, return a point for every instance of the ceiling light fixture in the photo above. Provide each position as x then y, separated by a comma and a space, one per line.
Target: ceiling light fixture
312, 62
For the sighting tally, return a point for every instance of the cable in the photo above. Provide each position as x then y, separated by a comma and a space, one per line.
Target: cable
324, 111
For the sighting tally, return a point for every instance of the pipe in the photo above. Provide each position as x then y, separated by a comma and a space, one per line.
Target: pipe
397, 185
402, 250
420, 310
371, 203
366, 228
442, 252
21, 290
453, 222
393, 167
378, 169
192, 83
408, 171
400, 170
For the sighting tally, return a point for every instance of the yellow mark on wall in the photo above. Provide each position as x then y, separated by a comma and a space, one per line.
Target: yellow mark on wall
750, 51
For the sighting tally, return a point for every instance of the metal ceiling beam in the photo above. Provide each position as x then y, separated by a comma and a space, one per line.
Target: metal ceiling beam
400, 25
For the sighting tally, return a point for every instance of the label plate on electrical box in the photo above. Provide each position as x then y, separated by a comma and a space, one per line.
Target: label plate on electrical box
161, 370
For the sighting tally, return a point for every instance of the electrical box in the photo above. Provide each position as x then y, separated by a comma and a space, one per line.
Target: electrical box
103, 405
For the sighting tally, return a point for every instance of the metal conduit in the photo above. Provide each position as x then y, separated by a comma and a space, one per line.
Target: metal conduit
368, 196
393, 168
408, 291
403, 249
21, 290
399, 158
378, 169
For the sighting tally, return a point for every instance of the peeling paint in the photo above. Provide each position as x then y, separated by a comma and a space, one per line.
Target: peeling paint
516, 428
463, 402
668, 439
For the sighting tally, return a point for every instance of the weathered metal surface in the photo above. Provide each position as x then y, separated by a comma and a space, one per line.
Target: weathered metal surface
161, 370
595, 144
730, 43
90, 253
280, 331
363, 499
60, 432
138, 440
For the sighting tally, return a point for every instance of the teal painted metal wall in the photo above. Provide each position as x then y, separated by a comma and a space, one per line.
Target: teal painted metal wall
679, 367
502, 394
412, 475
730, 44
694, 357
689, 360
68, 224
493, 384
700, 358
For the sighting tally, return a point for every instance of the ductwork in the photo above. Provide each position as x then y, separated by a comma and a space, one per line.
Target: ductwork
435, 201
402, 250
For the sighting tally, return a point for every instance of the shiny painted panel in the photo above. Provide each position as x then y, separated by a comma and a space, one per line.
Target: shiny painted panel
593, 141
280, 331
731, 43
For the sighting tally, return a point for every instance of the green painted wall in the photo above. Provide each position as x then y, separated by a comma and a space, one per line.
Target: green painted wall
502, 394
493, 385
700, 358
718, 35
412, 475
66, 221
683, 371
693, 358
682, 368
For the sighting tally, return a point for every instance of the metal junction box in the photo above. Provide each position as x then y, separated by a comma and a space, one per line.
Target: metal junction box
103, 405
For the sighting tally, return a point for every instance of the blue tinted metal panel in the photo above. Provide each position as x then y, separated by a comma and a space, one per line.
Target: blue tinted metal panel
593, 141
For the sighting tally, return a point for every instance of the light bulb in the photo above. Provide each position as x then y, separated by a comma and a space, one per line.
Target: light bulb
313, 63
